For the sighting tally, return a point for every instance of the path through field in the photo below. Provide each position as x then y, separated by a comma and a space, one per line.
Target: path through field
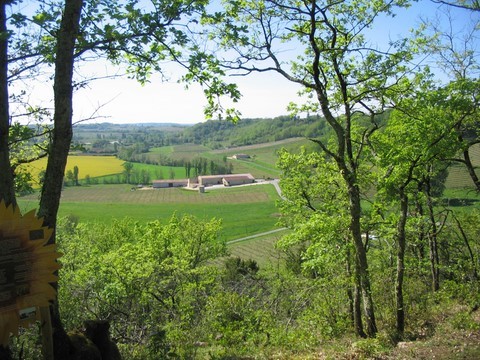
256, 236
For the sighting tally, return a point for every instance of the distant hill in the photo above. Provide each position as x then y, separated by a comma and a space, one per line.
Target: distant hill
107, 126
214, 134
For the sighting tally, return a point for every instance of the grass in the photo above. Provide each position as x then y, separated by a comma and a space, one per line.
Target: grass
261, 164
243, 210
179, 152
263, 156
261, 249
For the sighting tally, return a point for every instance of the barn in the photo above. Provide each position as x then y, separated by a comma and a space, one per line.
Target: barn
241, 156
226, 180
158, 184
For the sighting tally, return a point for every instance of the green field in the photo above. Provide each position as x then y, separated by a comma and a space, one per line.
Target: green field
243, 210
261, 249
261, 164
457, 174
263, 156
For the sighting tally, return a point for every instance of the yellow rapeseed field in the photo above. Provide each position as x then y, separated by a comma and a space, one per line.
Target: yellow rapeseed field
87, 165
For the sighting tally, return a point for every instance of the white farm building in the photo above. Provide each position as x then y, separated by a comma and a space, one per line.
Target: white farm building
241, 156
158, 184
226, 180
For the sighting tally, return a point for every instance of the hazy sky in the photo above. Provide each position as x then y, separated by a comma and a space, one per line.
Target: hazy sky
122, 100
125, 100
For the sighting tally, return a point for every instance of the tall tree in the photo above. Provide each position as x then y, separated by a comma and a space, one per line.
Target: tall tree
338, 69
416, 137
124, 33
75, 175
62, 119
61, 139
7, 189
128, 167
315, 207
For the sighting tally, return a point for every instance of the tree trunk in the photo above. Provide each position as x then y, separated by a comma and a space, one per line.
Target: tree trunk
469, 249
7, 188
63, 94
467, 161
401, 239
354, 294
432, 240
361, 259
357, 306
60, 146
471, 169
422, 236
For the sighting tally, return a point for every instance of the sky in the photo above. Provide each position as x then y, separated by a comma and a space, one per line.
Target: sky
265, 95
123, 100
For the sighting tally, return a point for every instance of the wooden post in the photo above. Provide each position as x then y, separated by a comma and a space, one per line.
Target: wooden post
47, 333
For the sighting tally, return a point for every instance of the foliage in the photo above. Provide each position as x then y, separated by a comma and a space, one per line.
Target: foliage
368, 348
163, 274
315, 208
26, 144
342, 76
160, 273
253, 131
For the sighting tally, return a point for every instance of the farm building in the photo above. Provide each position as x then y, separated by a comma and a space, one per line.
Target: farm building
157, 184
226, 180
241, 156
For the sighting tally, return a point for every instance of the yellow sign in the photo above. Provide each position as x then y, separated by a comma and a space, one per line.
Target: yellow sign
27, 267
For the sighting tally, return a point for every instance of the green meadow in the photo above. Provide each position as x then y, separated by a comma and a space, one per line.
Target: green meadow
261, 249
244, 210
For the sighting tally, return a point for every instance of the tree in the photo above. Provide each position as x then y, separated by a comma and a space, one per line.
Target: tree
63, 95
62, 135
69, 32
128, 167
161, 273
338, 70
69, 178
7, 189
472, 5
397, 181
75, 175
409, 151
456, 54
315, 207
